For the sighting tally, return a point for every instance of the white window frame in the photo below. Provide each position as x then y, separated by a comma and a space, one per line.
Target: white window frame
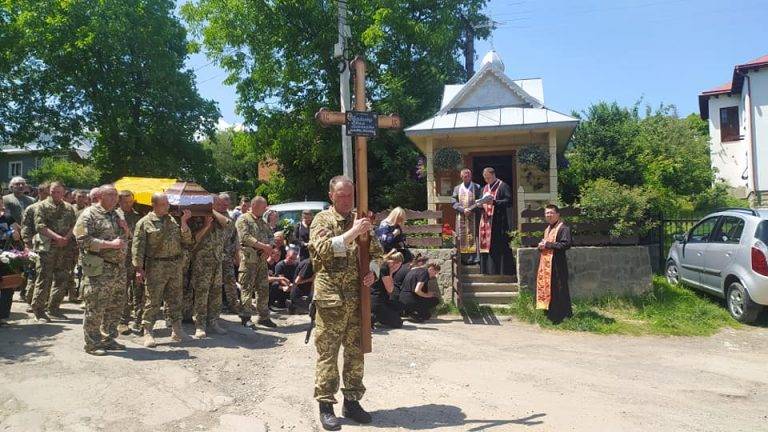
11, 174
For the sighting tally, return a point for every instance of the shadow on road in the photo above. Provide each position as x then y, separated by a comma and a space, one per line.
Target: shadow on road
433, 416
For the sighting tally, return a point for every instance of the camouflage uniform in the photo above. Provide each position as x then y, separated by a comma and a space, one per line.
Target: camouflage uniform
133, 295
228, 273
53, 267
337, 300
187, 297
253, 265
206, 275
71, 256
158, 243
28, 232
104, 270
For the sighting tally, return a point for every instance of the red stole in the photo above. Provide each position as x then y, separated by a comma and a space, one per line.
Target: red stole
486, 219
544, 276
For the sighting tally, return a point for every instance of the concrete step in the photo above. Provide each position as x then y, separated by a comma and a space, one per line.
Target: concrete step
470, 269
477, 277
489, 287
490, 298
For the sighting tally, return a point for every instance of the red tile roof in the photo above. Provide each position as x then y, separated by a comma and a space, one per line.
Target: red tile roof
725, 88
760, 61
731, 87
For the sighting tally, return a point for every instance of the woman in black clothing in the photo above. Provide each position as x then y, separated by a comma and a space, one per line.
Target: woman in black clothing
415, 296
9, 235
383, 309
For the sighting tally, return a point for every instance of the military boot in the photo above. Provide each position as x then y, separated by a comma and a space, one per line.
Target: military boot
177, 333
149, 340
200, 332
327, 417
216, 328
353, 410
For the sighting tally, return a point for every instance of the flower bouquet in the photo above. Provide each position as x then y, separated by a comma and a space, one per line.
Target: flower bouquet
13, 263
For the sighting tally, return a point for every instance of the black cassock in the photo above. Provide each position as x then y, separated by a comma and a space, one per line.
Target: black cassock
500, 260
560, 304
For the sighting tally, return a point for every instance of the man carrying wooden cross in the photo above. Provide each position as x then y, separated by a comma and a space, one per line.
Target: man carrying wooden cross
334, 254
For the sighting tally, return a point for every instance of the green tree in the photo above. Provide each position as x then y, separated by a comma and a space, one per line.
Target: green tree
72, 174
114, 68
673, 154
602, 147
237, 167
279, 54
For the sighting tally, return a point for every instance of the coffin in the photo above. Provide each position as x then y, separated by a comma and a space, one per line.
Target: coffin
189, 195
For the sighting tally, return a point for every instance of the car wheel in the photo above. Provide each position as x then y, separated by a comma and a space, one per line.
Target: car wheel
740, 305
673, 275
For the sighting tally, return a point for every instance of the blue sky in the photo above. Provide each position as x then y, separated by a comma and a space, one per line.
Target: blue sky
591, 50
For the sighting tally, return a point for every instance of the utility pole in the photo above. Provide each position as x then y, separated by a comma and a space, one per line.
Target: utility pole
469, 47
344, 96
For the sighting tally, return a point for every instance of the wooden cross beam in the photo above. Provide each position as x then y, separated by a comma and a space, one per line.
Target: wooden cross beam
362, 124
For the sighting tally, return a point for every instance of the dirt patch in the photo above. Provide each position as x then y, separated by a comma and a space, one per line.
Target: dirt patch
442, 375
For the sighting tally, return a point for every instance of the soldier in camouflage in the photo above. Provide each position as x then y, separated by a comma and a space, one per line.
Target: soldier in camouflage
255, 239
102, 237
230, 262
54, 221
28, 232
334, 256
71, 256
206, 272
133, 295
158, 243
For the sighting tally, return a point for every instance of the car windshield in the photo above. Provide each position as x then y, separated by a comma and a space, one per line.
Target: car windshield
761, 233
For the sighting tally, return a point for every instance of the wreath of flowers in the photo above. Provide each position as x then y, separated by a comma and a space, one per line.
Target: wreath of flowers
533, 155
447, 158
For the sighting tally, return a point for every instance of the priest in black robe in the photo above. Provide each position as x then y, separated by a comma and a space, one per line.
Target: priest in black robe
552, 291
496, 220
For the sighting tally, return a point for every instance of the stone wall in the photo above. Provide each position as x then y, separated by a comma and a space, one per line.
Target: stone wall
595, 271
444, 281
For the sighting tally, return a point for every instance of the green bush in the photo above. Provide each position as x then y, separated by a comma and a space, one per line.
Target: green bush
629, 209
72, 174
717, 197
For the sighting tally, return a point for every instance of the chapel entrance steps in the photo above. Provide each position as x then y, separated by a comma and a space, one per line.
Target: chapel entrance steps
487, 290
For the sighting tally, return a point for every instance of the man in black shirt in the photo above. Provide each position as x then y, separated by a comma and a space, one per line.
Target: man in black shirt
301, 234
415, 295
285, 269
301, 293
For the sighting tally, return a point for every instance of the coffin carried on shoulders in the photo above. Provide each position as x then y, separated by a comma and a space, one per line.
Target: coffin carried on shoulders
189, 196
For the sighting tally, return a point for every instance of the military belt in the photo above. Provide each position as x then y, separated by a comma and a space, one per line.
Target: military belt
171, 258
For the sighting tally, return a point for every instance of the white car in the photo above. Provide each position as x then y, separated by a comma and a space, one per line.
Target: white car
726, 254
292, 210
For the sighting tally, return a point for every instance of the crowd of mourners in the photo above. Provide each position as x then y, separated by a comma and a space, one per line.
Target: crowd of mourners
132, 265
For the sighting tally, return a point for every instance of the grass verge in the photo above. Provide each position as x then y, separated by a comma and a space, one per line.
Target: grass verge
665, 310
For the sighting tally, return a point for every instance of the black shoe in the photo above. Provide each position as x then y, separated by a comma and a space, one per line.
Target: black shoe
327, 418
353, 410
267, 323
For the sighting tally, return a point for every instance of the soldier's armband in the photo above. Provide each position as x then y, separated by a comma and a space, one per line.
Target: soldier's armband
339, 247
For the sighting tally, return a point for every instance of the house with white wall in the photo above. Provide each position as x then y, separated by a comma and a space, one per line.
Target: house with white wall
737, 112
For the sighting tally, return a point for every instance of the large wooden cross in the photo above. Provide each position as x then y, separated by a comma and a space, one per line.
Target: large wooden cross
362, 124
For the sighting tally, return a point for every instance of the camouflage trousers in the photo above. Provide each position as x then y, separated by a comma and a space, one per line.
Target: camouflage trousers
71, 256
51, 283
162, 284
129, 295
254, 283
338, 325
206, 286
229, 280
29, 291
188, 297
102, 296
